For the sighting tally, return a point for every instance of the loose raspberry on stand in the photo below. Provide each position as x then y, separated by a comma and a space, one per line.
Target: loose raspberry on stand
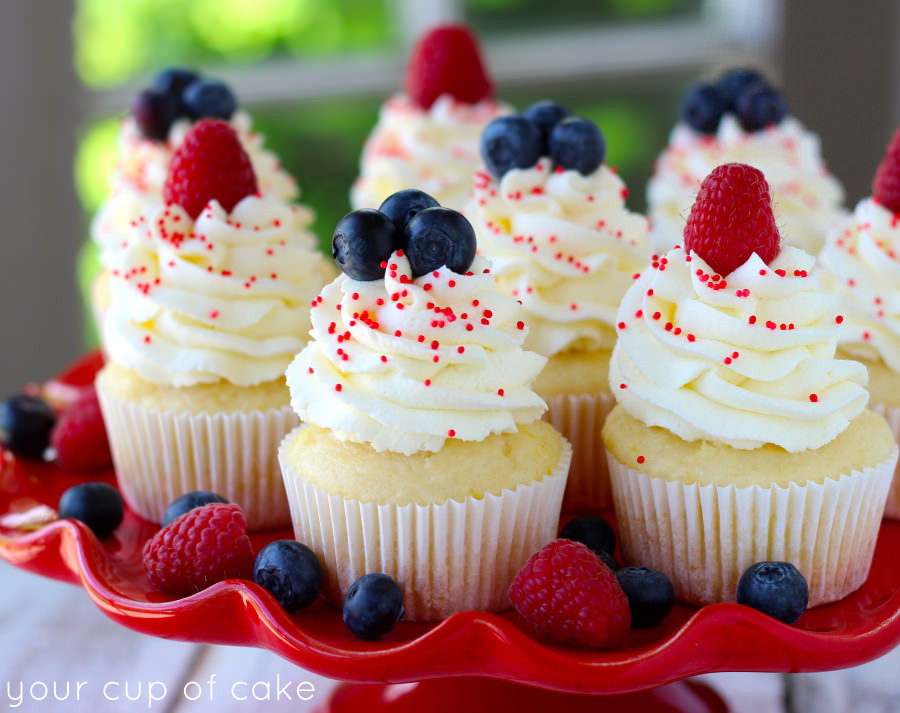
570, 596
79, 437
202, 547
886, 186
447, 60
732, 218
209, 164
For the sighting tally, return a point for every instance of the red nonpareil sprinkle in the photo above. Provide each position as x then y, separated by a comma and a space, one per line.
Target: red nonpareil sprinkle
520, 325
752, 319
427, 382
338, 387
640, 459
460, 349
623, 386
839, 319
451, 433
813, 397
214, 314
691, 337
656, 315
621, 325
770, 324
500, 392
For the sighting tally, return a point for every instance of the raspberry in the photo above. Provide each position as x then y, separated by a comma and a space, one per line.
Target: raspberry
570, 596
732, 218
447, 60
202, 547
886, 186
79, 437
209, 164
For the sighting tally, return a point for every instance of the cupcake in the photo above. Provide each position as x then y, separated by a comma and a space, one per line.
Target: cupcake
738, 437
427, 136
422, 452
742, 119
156, 126
210, 302
551, 217
860, 262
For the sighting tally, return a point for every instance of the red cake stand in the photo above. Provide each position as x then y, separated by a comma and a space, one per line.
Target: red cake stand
473, 661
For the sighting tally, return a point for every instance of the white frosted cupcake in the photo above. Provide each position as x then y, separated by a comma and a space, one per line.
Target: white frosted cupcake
210, 301
565, 246
860, 261
147, 139
422, 453
739, 437
741, 119
427, 136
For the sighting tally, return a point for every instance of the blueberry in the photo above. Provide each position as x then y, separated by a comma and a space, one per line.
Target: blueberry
593, 531
578, 144
510, 142
173, 80
154, 113
25, 425
403, 205
291, 571
760, 106
97, 505
774, 588
546, 115
362, 241
436, 237
208, 98
733, 83
189, 501
609, 560
650, 595
374, 604
702, 108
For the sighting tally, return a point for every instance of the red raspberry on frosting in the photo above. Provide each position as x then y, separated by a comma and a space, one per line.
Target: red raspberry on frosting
886, 186
209, 164
732, 218
79, 437
201, 547
446, 60
570, 596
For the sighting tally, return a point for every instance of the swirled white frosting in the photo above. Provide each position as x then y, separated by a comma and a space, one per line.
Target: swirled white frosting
745, 361
403, 364
225, 297
861, 261
806, 198
565, 246
435, 150
137, 182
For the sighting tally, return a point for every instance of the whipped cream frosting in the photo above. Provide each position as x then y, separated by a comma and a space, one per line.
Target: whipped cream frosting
806, 198
404, 364
434, 150
137, 182
565, 246
225, 297
861, 262
744, 360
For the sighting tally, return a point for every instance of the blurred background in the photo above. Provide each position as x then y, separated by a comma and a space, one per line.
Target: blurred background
313, 74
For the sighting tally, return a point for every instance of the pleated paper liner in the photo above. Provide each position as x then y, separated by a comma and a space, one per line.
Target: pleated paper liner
703, 537
580, 418
161, 455
451, 557
892, 416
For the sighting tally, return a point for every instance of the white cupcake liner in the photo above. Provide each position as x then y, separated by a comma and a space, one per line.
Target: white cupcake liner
452, 557
891, 414
161, 455
703, 537
580, 418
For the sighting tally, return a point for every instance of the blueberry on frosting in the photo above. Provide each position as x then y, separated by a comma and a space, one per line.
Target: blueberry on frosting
362, 242
743, 92
510, 142
702, 108
436, 237
401, 206
577, 144
546, 115
760, 106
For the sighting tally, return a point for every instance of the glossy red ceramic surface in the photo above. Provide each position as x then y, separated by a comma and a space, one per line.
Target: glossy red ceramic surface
724, 637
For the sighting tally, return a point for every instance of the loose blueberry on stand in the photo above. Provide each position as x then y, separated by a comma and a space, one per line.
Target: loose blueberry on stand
760, 106
702, 108
510, 142
732, 84
373, 606
208, 98
154, 112
774, 588
173, 80
25, 425
291, 572
609, 561
97, 505
578, 144
195, 499
546, 115
593, 531
363, 240
401, 206
437, 237
650, 595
